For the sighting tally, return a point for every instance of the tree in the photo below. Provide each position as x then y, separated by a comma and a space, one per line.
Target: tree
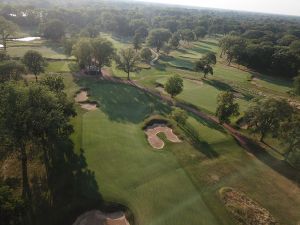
54, 30
11, 70
200, 32
187, 35
180, 116
35, 62
174, 85
136, 42
158, 37
146, 54
266, 115
297, 85
204, 67
82, 50
175, 41
290, 135
54, 83
11, 207
210, 58
226, 107
7, 29
127, 60
103, 52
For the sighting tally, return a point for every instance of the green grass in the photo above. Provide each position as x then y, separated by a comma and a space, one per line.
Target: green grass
179, 184
58, 67
128, 170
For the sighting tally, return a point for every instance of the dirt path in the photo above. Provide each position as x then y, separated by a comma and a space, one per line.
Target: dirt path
253, 147
153, 61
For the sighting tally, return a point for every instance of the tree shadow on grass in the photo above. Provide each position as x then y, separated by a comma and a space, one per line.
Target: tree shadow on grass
261, 154
70, 189
124, 103
210, 43
218, 84
197, 142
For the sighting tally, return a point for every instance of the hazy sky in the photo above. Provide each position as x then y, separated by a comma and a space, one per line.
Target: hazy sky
289, 7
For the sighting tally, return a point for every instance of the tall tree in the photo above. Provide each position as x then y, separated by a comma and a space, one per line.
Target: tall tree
175, 41
200, 32
7, 29
266, 115
158, 37
204, 67
11, 70
137, 42
54, 30
226, 107
82, 50
103, 52
146, 54
174, 85
127, 60
35, 62
297, 85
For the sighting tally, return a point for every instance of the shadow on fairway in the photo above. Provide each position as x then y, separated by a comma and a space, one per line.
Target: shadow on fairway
124, 103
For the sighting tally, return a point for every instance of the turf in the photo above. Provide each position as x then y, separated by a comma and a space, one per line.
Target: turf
179, 184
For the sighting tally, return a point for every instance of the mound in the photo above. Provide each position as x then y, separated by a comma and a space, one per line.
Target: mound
155, 141
244, 209
97, 217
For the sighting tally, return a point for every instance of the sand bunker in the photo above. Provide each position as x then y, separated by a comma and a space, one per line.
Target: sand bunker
89, 106
155, 141
97, 217
82, 96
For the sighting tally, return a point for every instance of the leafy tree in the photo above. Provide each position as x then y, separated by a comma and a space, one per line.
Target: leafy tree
54, 30
4, 56
146, 54
82, 50
7, 29
297, 85
127, 60
295, 47
35, 62
285, 62
158, 37
174, 85
103, 52
203, 66
180, 116
200, 32
226, 107
11, 207
290, 135
210, 58
137, 42
266, 115
187, 35
287, 39
175, 41
54, 83
11, 70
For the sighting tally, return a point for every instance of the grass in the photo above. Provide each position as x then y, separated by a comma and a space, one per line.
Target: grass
58, 67
179, 184
128, 170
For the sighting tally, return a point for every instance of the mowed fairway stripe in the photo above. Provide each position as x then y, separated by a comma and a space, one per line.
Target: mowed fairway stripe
129, 171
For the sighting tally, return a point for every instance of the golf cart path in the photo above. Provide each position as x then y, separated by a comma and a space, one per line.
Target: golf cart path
253, 147
153, 61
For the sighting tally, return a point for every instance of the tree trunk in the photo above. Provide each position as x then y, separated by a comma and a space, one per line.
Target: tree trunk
36, 78
26, 189
128, 78
262, 137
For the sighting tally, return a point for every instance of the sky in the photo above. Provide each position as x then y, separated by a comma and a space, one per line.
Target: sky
287, 7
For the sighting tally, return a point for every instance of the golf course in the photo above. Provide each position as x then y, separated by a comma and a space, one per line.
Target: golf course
153, 127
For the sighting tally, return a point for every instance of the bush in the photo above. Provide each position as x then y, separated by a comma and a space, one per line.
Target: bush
179, 115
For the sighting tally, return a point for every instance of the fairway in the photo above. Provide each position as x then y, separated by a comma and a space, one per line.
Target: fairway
129, 171
180, 182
